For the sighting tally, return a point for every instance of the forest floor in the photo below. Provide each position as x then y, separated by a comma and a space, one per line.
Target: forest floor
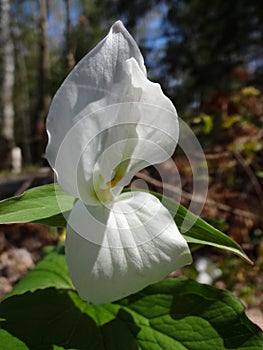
21, 245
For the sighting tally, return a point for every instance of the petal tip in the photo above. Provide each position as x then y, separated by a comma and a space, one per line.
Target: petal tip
117, 27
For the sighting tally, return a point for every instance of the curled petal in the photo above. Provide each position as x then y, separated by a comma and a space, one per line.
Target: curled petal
107, 121
117, 251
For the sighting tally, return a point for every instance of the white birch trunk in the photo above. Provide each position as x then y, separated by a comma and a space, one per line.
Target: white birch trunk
8, 73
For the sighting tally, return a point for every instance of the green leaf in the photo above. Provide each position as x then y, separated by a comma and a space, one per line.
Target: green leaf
49, 317
52, 271
39, 204
174, 314
9, 342
183, 314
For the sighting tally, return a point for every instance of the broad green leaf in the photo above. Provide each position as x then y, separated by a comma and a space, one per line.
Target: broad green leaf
183, 314
174, 314
49, 317
52, 271
38, 204
9, 342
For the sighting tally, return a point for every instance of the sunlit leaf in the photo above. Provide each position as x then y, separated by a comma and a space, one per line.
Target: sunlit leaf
183, 314
174, 314
206, 120
230, 120
208, 123
38, 204
9, 342
250, 91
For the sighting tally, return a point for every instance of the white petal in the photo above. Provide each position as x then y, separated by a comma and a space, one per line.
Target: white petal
98, 81
112, 254
107, 113
158, 118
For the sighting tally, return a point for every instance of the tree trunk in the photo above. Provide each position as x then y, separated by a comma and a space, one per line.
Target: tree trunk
8, 73
43, 93
7, 122
70, 59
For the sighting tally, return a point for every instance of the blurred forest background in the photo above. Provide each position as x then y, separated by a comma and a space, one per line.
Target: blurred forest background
208, 58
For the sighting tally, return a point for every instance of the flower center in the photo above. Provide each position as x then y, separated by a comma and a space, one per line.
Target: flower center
103, 193
115, 180
102, 190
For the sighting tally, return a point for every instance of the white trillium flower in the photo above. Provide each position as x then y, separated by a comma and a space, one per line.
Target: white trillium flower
106, 122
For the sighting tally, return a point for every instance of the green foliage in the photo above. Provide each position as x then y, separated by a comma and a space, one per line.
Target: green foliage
9, 342
44, 312
44, 204
173, 314
37, 205
203, 44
